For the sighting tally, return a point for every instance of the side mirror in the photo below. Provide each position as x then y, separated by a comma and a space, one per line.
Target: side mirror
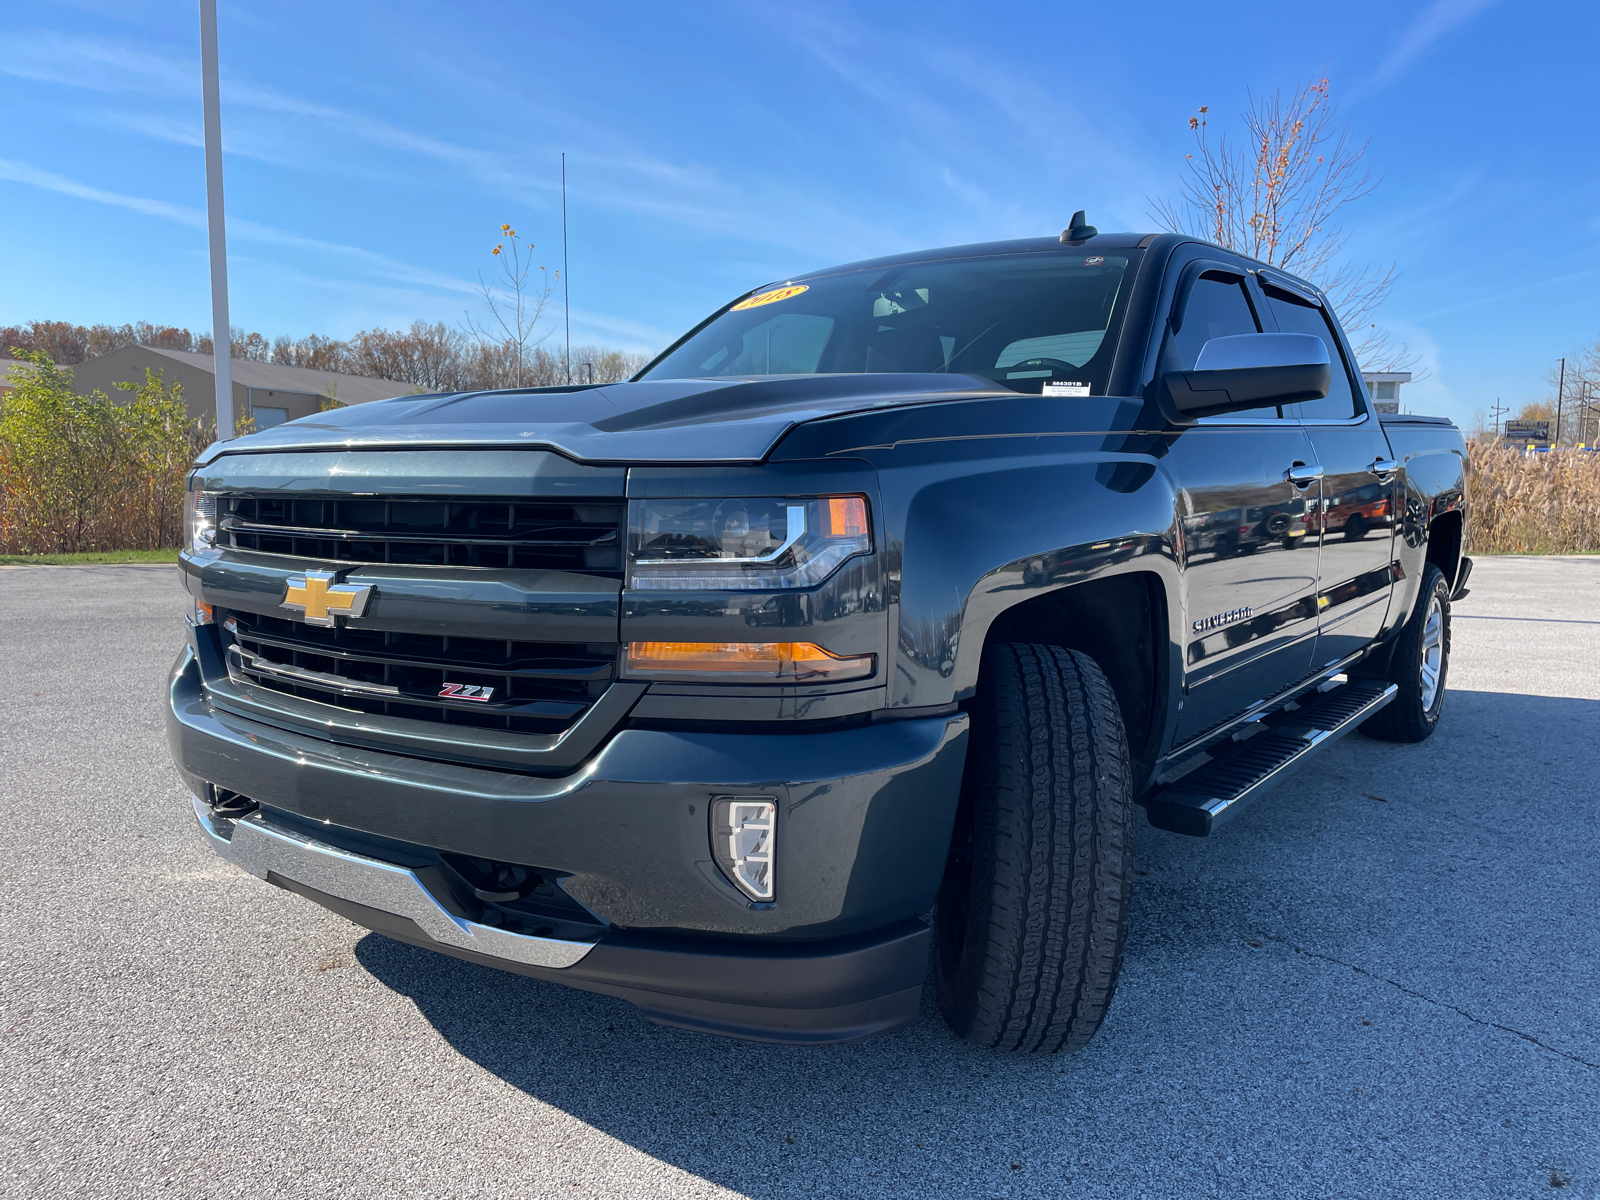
1249, 370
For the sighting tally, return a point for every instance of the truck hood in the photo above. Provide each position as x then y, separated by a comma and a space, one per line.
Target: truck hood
665, 421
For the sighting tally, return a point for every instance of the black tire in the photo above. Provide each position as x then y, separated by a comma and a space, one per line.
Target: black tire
1413, 714
1355, 529
1033, 913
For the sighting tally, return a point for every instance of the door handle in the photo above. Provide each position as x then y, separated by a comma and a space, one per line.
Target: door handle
1303, 476
1383, 468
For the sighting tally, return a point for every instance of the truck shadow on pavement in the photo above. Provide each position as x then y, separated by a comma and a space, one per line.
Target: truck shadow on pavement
1355, 950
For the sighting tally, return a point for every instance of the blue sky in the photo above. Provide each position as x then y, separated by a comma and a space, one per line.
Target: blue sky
374, 149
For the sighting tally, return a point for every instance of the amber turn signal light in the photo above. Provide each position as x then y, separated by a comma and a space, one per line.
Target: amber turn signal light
787, 662
845, 516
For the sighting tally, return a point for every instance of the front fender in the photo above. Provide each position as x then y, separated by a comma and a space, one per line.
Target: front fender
980, 538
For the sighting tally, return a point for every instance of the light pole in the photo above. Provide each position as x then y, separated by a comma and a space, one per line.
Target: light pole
221, 349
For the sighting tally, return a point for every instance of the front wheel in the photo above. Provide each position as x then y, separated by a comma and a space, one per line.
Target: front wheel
1033, 913
1418, 668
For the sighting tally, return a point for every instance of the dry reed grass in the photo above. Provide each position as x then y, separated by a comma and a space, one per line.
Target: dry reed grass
1532, 503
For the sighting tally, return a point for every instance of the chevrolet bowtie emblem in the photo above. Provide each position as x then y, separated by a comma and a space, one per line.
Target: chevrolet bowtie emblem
321, 601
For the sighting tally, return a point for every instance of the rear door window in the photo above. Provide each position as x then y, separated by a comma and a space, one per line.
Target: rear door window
1296, 314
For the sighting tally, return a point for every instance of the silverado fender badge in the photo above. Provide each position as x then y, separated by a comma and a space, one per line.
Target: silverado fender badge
1221, 619
319, 600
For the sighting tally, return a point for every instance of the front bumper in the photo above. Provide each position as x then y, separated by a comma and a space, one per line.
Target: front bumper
865, 817
811, 993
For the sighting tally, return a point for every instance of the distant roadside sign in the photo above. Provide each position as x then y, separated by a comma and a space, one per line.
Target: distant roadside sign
1527, 431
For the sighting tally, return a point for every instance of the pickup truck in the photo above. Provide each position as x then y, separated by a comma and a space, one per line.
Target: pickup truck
835, 652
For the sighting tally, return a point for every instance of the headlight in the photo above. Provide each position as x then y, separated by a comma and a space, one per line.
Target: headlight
200, 522
743, 544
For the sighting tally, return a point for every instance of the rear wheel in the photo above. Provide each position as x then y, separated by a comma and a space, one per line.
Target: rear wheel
1033, 913
1418, 667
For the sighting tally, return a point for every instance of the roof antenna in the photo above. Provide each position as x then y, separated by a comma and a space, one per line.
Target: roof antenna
1078, 229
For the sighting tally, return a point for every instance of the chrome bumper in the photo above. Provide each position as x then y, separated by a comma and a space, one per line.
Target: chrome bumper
260, 847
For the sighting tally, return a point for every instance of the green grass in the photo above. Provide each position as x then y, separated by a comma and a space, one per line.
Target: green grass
93, 559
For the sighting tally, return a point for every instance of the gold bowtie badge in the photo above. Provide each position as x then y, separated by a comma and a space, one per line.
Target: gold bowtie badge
321, 601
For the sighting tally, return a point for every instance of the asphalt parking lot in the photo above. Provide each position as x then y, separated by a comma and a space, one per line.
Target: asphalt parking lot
1381, 981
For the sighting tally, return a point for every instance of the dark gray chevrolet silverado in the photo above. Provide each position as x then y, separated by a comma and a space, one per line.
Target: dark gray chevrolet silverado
851, 631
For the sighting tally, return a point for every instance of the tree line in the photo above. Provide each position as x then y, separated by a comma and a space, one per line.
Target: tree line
433, 357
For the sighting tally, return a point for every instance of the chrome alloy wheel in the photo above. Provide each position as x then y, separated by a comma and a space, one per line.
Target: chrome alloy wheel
1432, 652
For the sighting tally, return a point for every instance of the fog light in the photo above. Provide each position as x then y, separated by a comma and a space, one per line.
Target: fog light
743, 833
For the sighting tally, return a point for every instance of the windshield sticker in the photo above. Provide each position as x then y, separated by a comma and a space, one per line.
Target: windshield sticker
772, 297
1066, 389
1093, 261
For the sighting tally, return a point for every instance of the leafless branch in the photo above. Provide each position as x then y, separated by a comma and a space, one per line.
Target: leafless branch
1276, 198
515, 306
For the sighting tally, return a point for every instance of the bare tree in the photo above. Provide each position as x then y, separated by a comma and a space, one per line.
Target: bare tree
315, 352
597, 364
1572, 404
515, 303
431, 356
1276, 198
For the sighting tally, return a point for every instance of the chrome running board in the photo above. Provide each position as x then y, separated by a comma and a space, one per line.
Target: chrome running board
1196, 803
263, 849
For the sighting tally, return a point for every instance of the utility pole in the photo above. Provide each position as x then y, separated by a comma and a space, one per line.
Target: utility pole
566, 288
1561, 389
210, 99
1498, 410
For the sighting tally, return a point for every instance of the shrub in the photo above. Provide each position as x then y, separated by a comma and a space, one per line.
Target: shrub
81, 473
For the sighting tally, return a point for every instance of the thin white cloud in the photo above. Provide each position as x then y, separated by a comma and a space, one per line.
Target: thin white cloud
1438, 19
1541, 284
644, 336
639, 336
618, 176
97, 65
19, 172
379, 264
963, 117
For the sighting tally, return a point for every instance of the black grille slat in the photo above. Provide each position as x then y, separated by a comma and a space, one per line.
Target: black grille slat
585, 671
538, 687
526, 534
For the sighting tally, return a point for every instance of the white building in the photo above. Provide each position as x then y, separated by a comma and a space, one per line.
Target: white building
1384, 388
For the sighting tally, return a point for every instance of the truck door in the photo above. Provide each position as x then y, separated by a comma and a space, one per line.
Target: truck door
1250, 590
1356, 525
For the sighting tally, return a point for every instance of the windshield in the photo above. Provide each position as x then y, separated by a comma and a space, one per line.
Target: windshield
1043, 322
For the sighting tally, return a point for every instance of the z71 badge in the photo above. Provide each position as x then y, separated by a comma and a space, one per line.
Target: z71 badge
466, 691
1221, 619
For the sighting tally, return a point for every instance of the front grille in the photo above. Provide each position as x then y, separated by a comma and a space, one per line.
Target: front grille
564, 535
482, 683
